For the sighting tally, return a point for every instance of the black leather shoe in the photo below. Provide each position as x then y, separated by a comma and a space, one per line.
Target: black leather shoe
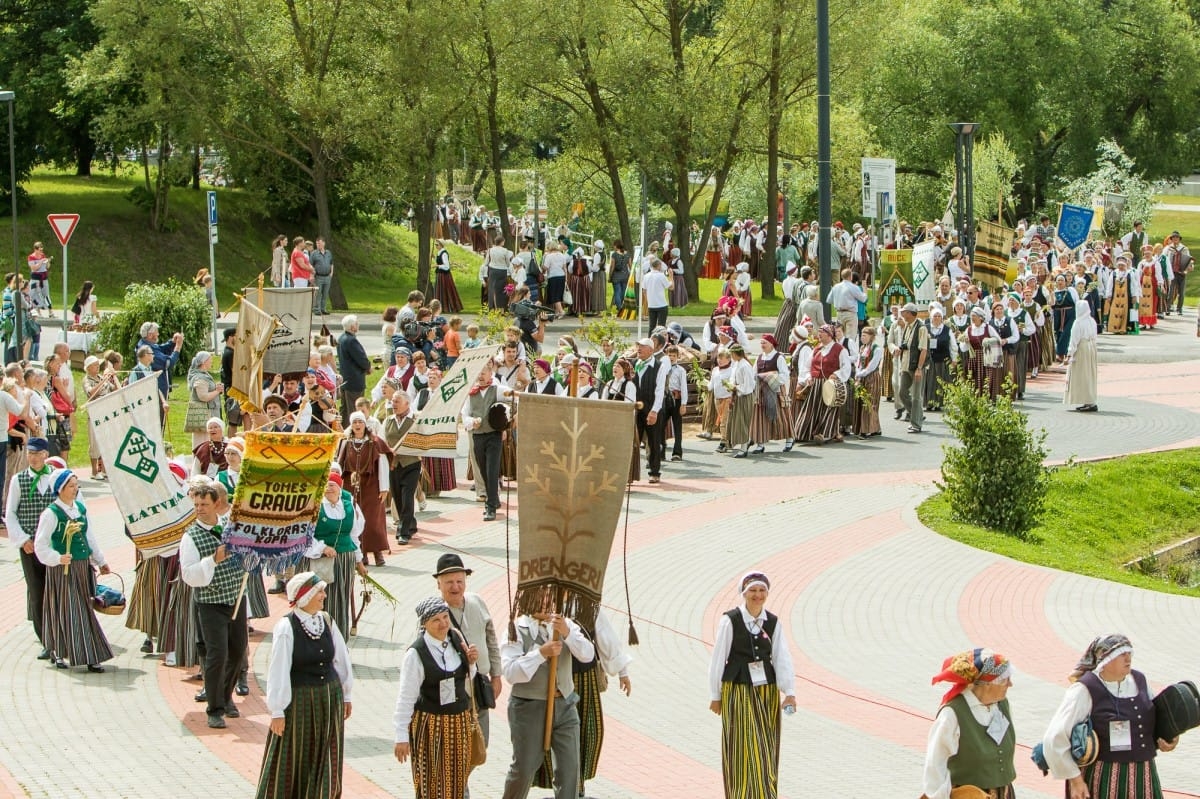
59, 663
216, 721
147, 646
899, 414
201, 696
242, 688
95, 669
231, 711
489, 515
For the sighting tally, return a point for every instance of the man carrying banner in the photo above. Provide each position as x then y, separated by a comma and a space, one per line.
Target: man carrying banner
406, 469
207, 566
526, 663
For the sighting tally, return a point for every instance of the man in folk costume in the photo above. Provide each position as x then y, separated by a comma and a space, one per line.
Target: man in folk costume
525, 663
406, 469
1122, 299
487, 442
208, 567
1180, 261
914, 349
29, 493
652, 393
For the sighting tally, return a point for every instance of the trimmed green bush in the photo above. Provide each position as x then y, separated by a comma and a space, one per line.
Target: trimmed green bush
994, 477
175, 306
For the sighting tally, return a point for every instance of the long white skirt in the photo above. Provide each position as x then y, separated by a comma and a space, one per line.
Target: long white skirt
1082, 375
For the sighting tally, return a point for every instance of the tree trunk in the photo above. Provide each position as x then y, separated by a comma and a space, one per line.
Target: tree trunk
604, 124
146, 168
162, 186
320, 183
196, 167
493, 123
425, 211
766, 269
85, 151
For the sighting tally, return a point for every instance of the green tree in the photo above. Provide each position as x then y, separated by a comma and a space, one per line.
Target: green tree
1116, 173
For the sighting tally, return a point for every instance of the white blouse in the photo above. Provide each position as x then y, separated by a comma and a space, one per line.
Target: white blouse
1076, 706
943, 744
412, 674
279, 672
781, 655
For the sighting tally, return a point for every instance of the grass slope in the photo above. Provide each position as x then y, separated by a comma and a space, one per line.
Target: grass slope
1099, 516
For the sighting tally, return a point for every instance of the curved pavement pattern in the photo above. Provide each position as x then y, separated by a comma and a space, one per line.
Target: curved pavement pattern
872, 601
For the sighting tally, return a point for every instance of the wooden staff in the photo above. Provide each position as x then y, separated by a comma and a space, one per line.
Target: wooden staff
551, 689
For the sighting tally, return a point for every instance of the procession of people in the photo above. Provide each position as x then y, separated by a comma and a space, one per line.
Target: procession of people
820, 380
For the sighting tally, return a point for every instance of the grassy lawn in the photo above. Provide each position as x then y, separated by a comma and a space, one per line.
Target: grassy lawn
1100, 516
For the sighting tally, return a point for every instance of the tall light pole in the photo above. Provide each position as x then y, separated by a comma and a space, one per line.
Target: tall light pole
964, 185
18, 323
824, 157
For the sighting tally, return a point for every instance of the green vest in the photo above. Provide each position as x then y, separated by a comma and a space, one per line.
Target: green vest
58, 539
227, 577
224, 478
980, 760
336, 532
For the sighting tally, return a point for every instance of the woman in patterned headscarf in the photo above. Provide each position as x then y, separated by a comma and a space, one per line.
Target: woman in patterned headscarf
436, 734
1106, 689
751, 666
972, 739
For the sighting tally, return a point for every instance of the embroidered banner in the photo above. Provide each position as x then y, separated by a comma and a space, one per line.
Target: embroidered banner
895, 278
1074, 224
573, 456
278, 495
435, 431
254, 331
292, 308
128, 434
924, 281
993, 247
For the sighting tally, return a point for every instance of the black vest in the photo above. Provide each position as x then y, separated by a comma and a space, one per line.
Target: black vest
1005, 330
1137, 710
312, 658
429, 700
581, 668
939, 345
745, 649
647, 381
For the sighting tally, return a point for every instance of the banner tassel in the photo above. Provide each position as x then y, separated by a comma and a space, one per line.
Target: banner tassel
512, 599
633, 636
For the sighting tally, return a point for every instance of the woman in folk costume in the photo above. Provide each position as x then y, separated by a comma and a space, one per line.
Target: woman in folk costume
179, 628
713, 255
1082, 361
440, 471
803, 342
735, 434
1124, 293
772, 418
1147, 274
943, 352
444, 290
1065, 298
623, 388
972, 741
335, 547
869, 378
793, 295
734, 253
309, 682
1106, 690
1037, 341
678, 296
591, 679
751, 666
365, 458
433, 708
984, 378
67, 546
817, 421
718, 397
1010, 335
741, 285
1043, 295
599, 286
579, 283
227, 478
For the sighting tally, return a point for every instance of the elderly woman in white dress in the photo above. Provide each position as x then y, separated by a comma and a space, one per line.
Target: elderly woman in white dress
1082, 363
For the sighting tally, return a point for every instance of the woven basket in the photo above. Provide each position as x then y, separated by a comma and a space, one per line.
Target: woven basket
111, 610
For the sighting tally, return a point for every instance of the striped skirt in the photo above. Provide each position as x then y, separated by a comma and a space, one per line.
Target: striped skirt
256, 596
591, 732
785, 322
441, 753
143, 611
441, 475
70, 628
936, 373
866, 416
736, 430
508, 458
772, 420
306, 761
750, 740
1123, 780
816, 420
179, 633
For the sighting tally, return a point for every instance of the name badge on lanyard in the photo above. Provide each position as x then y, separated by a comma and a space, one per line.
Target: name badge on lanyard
758, 673
446, 691
1120, 736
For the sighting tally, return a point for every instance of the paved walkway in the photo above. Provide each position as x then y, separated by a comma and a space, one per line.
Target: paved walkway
872, 601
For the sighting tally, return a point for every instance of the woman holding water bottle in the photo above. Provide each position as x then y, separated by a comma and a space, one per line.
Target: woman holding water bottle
751, 666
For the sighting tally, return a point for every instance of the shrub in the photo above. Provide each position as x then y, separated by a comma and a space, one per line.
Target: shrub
173, 305
995, 476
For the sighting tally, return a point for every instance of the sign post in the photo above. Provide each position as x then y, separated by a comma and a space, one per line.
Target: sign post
878, 175
212, 263
63, 226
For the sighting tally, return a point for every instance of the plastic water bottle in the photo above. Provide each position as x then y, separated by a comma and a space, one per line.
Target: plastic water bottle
789, 710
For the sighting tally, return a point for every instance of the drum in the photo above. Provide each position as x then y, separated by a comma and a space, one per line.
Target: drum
833, 393
993, 353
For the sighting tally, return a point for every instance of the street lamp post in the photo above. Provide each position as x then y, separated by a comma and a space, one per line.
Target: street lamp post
824, 155
964, 185
10, 98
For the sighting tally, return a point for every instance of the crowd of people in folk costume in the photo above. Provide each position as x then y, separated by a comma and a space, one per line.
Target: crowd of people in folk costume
816, 380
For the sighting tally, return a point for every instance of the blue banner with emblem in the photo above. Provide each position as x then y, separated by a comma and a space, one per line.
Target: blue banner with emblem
1074, 224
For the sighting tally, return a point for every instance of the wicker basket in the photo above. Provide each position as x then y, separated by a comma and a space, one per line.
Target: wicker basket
111, 610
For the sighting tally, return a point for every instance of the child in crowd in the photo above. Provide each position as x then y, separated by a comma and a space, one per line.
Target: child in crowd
453, 341
472, 340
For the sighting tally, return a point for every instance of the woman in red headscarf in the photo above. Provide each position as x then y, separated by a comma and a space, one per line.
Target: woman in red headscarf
972, 741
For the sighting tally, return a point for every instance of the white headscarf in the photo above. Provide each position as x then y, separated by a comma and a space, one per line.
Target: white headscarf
1084, 327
